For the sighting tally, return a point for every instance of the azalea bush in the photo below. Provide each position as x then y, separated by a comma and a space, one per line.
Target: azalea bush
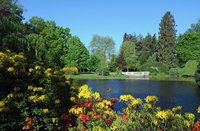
95, 113
32, 97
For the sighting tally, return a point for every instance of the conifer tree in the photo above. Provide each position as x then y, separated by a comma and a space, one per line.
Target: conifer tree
166, 41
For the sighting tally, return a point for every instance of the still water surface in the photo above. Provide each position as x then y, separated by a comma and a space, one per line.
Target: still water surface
170, 93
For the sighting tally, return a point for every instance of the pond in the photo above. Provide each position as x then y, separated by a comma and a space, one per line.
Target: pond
170, 93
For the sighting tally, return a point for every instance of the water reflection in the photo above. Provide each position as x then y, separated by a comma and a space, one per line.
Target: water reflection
170, 93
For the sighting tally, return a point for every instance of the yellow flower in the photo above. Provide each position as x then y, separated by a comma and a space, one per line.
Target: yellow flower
178, 108
96, 95
46, 110
48, 71
186, 123
30, 69
162, 115
39, 89
126, 98
37, 67
55, 120
72, 98
198, 109
41, 98
2, 104
76, 111
84, 92
178, 115
136, 102
10, 96
33, 98
10, 69
190, 116
57, 101
151, 99
30, 87
169, 113
113, 128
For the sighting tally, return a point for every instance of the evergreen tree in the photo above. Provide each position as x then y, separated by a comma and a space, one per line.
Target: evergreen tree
166, 43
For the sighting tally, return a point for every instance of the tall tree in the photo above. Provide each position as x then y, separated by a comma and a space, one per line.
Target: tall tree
47, 41
77, 54
167, 39
129, 53
120, 61
194, 27
12, 30
103, 48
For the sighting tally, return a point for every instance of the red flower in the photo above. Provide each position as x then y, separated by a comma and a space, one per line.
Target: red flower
86, 104
108, 89
26, 127
83, 117
196, 126
124, 117
30, 120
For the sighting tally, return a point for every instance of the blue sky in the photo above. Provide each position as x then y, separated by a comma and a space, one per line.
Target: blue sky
112, 17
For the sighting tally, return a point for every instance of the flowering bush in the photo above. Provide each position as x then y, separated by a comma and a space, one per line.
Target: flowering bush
32, 97
95, 113
37, 98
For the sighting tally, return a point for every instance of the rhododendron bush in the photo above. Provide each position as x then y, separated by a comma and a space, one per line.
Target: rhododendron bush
95, 113
32, 97
37, 98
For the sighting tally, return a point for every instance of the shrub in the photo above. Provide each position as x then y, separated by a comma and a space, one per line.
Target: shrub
94, 113
32, 97
189, 69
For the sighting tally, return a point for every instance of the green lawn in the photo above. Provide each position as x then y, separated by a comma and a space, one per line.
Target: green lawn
113, 75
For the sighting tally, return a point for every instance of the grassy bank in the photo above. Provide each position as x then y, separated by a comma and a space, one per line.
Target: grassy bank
113, 75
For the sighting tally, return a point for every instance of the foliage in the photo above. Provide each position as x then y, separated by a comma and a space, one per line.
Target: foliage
130, 57
32, 97
93, 62
120, 61
12, 30
76, 54
197, 75
188, 47
47, 42
187, 71
94, 113
194, 27
103, 48
112, 63
167, 39
70, 70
